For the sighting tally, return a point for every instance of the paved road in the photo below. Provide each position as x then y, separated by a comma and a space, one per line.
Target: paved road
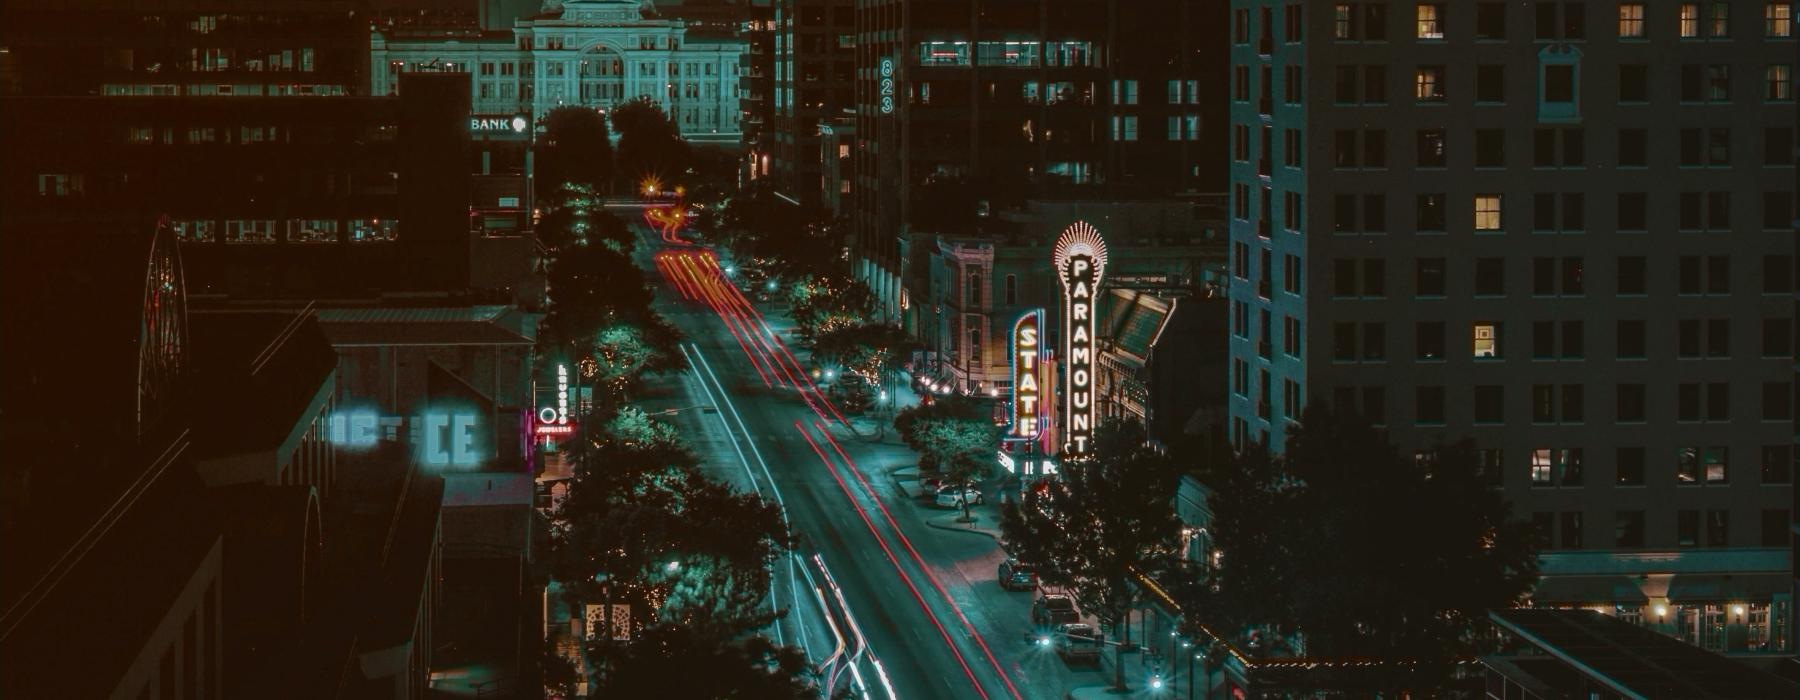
925, 599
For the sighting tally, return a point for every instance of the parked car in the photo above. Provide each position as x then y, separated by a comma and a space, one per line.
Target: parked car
1054, 609
954, 496
1079, 641
1018, 576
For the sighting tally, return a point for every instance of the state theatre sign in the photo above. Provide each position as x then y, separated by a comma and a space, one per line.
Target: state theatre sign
1027, 405
1080, 258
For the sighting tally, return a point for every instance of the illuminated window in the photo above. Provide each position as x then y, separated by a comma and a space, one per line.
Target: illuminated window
312, 231
250, 231
1487, 212
1718, 20
1343, 23
140, 135
374, 230
1429, 84
1690, 20
1540, 467
1779, 82
1487, 339
1778, 20
1631, 20
1687, 465
193, 231
1713, 461
1431, 21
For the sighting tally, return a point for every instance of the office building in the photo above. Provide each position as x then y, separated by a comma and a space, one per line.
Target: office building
592, 53
1562, 230
814, 67
966, 107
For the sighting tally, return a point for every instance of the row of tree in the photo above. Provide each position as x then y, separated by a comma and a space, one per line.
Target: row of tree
642, 525
576, 150
1340, 547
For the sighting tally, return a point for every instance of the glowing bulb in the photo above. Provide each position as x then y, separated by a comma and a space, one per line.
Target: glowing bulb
1661, 611
1739, 609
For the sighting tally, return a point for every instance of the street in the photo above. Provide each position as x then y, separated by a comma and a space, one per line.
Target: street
936, 623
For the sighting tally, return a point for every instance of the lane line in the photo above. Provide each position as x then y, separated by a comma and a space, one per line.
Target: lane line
856, 471
942, 631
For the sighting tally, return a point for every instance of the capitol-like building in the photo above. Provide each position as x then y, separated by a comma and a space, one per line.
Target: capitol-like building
595, 53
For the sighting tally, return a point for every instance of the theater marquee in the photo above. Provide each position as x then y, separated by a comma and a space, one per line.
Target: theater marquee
1027, 379
1080, 257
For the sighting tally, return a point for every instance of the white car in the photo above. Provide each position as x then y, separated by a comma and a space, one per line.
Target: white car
954, 497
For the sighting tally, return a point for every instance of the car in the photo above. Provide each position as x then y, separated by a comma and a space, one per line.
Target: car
932, 484
1018, 576
1079, 641
954, 497
1054, 609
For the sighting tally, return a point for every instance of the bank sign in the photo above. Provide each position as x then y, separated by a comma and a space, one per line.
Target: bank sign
1027, 375
498, 123
1080, 258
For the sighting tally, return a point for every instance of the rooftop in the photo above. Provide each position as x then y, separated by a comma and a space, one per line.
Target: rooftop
1633, 661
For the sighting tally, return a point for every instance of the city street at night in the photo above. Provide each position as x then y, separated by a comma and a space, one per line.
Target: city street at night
926, 598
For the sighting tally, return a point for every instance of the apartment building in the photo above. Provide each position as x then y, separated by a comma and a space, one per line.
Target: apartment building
1561, 229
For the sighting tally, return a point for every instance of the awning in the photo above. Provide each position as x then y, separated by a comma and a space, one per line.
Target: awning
1612, 590
1686, 588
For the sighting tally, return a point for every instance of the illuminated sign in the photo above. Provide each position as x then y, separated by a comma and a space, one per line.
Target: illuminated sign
1027, 344
441, 438
887, 86
560, 412
1080, 258
498, 124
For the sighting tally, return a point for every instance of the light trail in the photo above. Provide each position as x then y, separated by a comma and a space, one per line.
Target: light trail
942, 631
779, 637
929, 576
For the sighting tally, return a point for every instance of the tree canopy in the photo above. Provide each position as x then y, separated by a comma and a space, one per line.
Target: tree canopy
649, 144
575, 149
1104, 520
823, 303
1344, 547
868, 351
679, 662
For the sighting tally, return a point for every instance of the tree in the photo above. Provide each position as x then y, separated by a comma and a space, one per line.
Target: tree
643, 526
955, 436
1109, 519
601, 321
650, 146
821, 304
1344, 547
790, 242
674, 661
868, 351
575, 149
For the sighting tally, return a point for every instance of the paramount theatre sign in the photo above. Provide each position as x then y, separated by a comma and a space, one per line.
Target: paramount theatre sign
1080, 256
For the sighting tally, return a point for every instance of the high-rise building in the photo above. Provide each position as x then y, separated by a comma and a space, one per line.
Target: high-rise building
1560, 229
966, 108
815, 66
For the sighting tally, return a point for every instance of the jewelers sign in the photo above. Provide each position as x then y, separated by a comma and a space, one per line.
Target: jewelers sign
1027, 349
1080, 257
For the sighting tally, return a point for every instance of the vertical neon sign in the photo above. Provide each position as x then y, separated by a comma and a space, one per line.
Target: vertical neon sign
887, 86
1080, 256
1027, 342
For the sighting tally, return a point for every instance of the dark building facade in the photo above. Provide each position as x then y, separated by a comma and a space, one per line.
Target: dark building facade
965, 108
189, 48
1562, 230
815, 65
270, 196
172, 506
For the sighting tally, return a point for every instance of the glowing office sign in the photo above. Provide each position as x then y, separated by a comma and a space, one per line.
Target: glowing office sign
887, 86
1027, 346
438, 437
1080, 257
